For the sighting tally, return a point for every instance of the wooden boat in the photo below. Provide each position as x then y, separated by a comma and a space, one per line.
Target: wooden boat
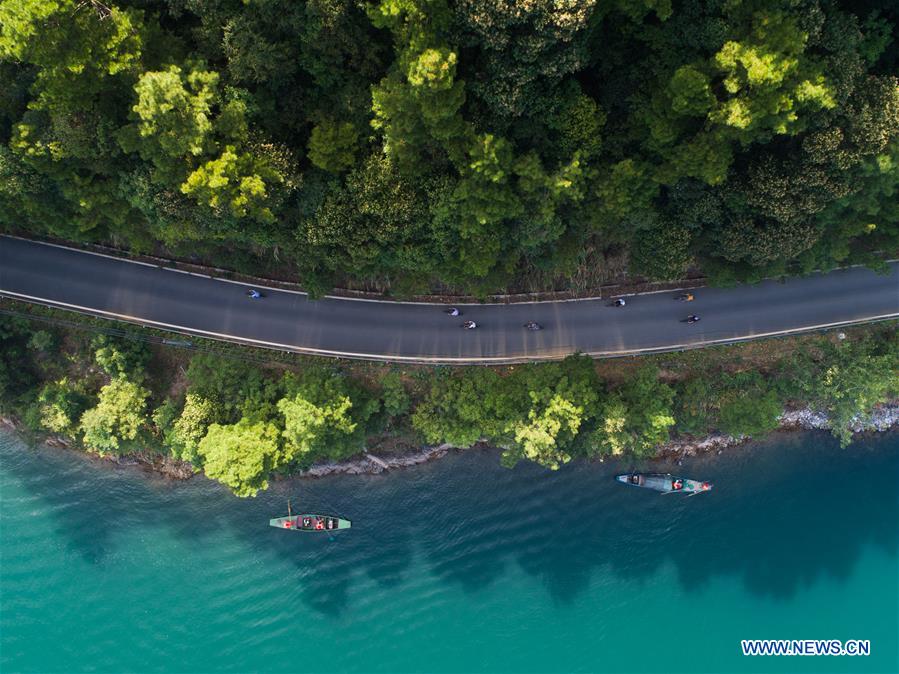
310, 522
665, 483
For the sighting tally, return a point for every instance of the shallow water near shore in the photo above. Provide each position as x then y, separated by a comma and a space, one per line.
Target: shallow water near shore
456, 565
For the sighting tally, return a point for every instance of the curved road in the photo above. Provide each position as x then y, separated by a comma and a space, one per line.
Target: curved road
397, 331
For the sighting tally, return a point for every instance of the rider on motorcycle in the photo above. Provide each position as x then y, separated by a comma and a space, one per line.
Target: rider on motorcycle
469, 325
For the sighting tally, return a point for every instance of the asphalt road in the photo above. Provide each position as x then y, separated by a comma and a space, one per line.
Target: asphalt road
396, 331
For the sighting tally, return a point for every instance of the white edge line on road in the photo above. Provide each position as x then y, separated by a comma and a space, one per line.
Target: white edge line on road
363, 299
302, 292
432, 359
79, 250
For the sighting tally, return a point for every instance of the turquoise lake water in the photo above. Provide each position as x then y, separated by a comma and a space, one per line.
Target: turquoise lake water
457, 565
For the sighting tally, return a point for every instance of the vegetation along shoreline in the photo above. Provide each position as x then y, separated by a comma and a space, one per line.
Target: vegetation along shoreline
244, 416
882, 419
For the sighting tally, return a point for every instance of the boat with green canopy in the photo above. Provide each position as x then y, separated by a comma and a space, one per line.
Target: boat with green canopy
665, 483
310, 522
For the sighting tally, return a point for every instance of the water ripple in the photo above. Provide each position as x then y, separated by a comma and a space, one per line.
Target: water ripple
457, 565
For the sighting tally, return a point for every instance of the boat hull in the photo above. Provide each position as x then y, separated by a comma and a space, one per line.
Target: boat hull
665, 483
310, 523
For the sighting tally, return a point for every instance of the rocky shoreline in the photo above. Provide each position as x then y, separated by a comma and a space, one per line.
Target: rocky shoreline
884, 417
163, 465
370, 464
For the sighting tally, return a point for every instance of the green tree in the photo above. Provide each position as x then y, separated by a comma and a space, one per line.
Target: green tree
636, 417
394, 397
190, 426
42, 341
332, 146
163, 417
864, 220
377, 222
81, 58
235, 183
562, 398
75, 47
763, 80
768, 77
662, 252
855, 378
225, 382
417, 106
398, 117
121, 357
241, 455
325, 416
543, 437
466, 406
173, 119
625, 189
483, 200
749, 407
762, 242
522, 52
260, 44
18, 374
694, 406
113, 425
198, 141
578, 124
61, 406
27, 195
544, 197
536, 413
343, 56
431, 77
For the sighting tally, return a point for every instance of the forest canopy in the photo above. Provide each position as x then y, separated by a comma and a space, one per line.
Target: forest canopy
468, 142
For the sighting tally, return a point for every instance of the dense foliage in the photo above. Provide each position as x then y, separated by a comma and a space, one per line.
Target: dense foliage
467, 141
240, 422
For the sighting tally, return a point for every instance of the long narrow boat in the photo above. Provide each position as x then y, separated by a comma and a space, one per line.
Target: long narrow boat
310, 522
665, 483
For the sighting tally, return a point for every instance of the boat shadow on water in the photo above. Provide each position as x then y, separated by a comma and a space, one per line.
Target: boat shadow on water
770, 520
